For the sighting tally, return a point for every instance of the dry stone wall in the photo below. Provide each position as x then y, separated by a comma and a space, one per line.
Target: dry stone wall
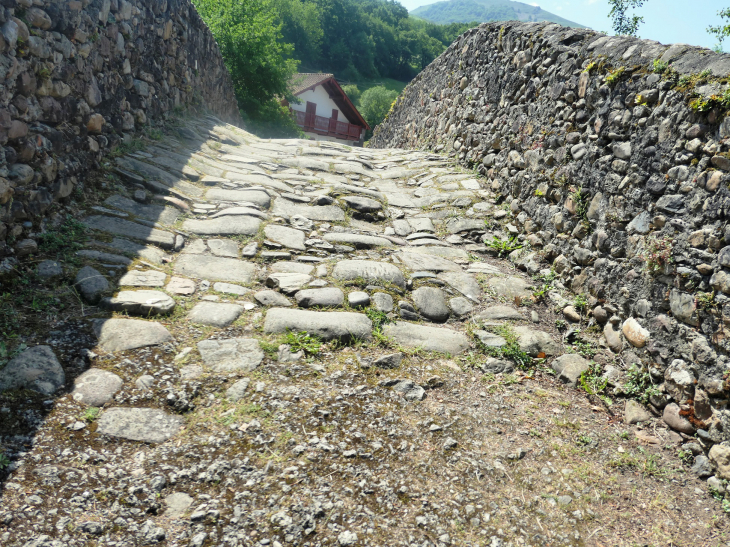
76, 76
611, 176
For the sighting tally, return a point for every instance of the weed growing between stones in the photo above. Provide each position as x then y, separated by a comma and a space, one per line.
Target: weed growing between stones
658, 254
298, 341
504, 247
639, 385
510, 350
594, 383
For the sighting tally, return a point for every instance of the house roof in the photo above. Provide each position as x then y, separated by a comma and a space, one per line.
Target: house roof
305, 81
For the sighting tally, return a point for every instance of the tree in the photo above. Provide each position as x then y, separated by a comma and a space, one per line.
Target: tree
352, 92
250, 41
621, 22
375, 104
721, 32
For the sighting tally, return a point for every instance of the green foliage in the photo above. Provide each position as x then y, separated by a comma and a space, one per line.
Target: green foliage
705, 104
544, 284
352, 91
91, 414
722, 31
621, 22
660, 66
658, 254
64, 240
302, 341
706, 301
591, 380
582, 347
615, 75
581, 204
4, 461
580, 302
504, 247
639, 385
511, 350
378, 318
375, 104
250, 40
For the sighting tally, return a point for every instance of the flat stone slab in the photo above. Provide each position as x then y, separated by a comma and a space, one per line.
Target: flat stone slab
348, 270
330, 297
126, 228
323, 213
510, 287
177, 503
37, 369
288, 237
257, 197
223, 247
215, 268
147, 425
288, 283
327, 325
230, 288
225, 226
419, 262
499, 313
145, 278
359, 241
533, 342
123, 334
215, 314
427, 338
233, 354
431, 304
139, 302
569, 367
490, 339
292, 267
181, 286
272, 298
96, 387
156, 213
464, 283
147, 252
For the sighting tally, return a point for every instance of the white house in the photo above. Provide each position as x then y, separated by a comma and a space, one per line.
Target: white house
326, 113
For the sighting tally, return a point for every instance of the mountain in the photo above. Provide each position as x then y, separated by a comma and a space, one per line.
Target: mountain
466, 11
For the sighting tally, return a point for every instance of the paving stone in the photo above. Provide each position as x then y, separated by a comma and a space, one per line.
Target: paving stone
634, 412
358, 299
327, 325
362, 204
123, 334
569, 368
460, 306
232, 354
510, 287
156, 213
288, 237
418, 262
359, 241
421, 224
129, 229
272, 298
347, 270
324, 213
181, 286
240, 211
390, 361
431, 304
138, 250
428, 338
139, 302
36, 368
49, 270
288, 283
257, 197
292, 267
534, 342
230, 288
177, 504
499, 313
143, 278
147, 425
214, 314
237, 391
107, 258
215, 268
225, 226
223, 247
91, 284
490, 339
96, 387
464, 283
383, 302
331, 297
459, 225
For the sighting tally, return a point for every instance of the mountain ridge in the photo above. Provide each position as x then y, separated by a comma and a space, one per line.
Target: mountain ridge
465, 11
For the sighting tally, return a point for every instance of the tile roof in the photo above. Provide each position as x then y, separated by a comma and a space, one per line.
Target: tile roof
305, 80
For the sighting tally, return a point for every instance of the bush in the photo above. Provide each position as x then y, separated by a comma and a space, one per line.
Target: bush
375, 104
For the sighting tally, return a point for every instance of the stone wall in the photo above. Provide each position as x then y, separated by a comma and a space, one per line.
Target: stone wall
77, 76
615, 170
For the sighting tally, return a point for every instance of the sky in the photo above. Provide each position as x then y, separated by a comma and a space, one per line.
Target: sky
666, 21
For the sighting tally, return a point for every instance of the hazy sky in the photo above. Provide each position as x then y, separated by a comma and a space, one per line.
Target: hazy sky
667, 21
